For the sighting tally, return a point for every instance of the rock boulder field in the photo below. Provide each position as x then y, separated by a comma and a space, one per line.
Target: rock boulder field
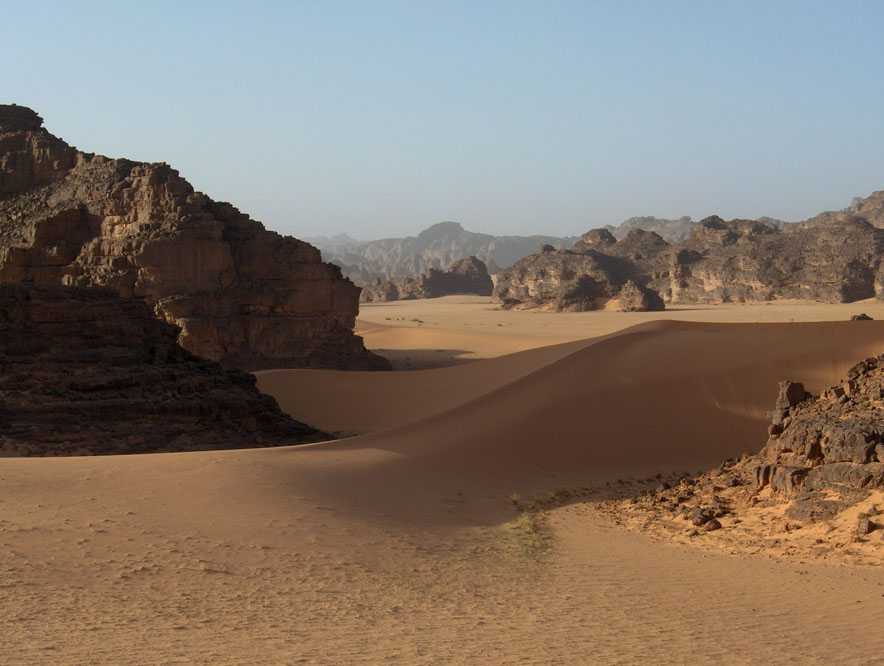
834, 258
240, 294
84, 371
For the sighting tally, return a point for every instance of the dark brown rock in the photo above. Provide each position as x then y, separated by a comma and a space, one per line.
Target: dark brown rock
465, 276
84, 371
861, 317
711, 525
241, 295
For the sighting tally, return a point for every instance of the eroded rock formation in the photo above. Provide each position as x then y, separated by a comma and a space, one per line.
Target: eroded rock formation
241, 295
834, 438
572, 280
829, 258
465, 276
84, 371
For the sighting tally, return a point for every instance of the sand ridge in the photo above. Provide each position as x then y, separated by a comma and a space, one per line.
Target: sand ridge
394, 546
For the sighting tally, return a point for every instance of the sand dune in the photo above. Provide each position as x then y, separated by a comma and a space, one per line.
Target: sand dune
360, 402
390, 546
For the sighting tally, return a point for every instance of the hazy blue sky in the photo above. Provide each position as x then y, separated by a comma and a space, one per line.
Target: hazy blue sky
380, 118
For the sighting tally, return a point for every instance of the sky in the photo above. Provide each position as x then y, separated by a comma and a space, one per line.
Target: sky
381, 118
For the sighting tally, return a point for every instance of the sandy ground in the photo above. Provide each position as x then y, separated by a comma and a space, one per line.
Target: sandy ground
402, 545
438, 332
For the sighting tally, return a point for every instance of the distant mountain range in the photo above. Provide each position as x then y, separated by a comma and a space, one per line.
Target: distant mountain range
438, 247
442, 244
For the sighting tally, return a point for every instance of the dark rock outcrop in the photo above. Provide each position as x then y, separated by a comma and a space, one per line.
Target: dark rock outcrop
837, 259
84, 371
836, 438
465, 276
241, 295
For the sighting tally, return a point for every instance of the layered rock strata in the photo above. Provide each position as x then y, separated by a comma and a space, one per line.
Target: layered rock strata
241, 295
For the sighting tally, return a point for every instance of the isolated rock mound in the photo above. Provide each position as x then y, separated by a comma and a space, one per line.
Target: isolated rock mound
830, 258
241, 295
466, 276
84, 371
834, 438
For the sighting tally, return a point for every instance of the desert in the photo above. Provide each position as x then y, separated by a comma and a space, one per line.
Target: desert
311, 553
417, 333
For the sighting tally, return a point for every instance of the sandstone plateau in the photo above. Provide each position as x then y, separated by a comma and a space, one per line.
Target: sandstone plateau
240, 294
85, 371
834, 258
465, 276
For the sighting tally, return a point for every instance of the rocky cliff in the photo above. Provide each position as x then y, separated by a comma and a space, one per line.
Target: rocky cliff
84, 371
465, 276
241, 295
832, 258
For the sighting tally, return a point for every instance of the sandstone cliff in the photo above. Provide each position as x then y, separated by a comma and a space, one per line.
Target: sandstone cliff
241, 295
832, 258
465, 276
84, 371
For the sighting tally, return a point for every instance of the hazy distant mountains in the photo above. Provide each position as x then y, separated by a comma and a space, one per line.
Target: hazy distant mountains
672, 231
442, 244
438, 246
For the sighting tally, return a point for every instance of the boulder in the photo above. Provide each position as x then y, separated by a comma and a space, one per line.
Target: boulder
636, 298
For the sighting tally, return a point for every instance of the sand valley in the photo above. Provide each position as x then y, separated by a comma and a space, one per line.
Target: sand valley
406, 543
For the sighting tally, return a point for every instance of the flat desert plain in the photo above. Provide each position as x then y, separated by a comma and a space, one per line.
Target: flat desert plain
403, 543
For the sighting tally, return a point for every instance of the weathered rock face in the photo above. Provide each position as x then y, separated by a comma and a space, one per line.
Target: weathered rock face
242, 295
84, 371
839, 259
566, 280
560, 280
466, 276
834, 439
